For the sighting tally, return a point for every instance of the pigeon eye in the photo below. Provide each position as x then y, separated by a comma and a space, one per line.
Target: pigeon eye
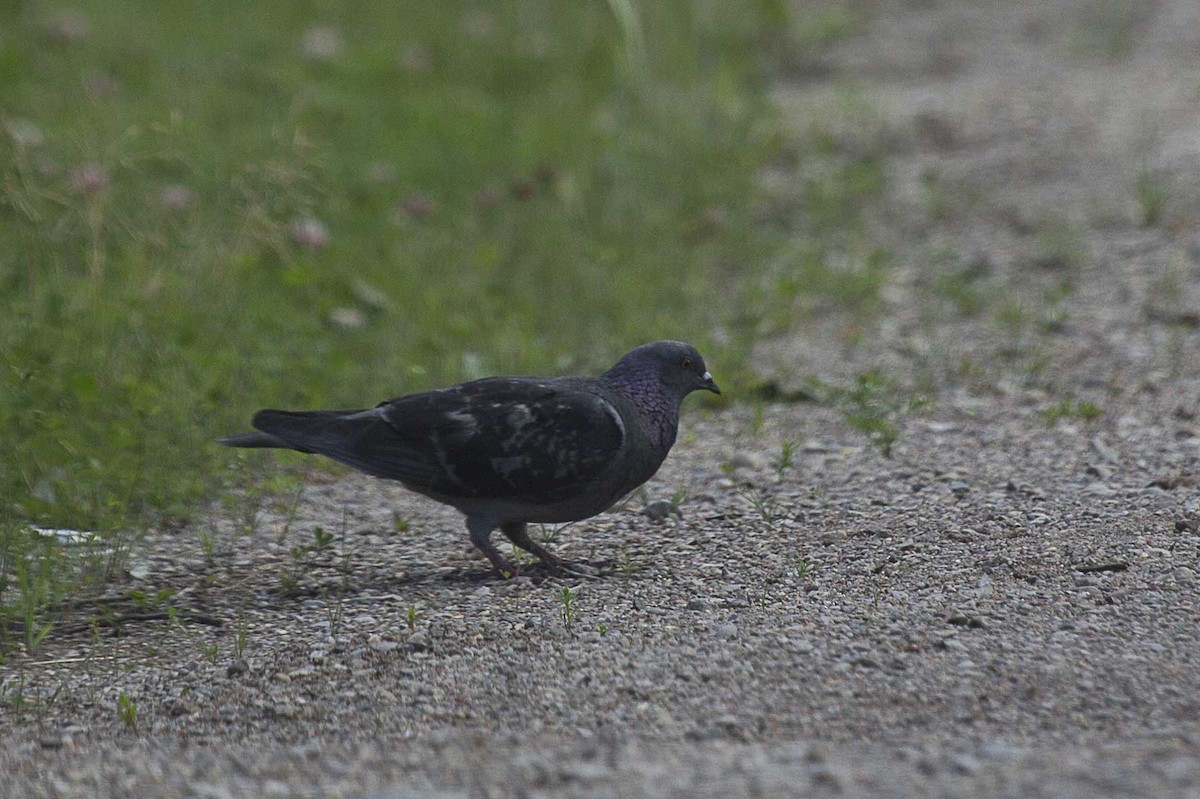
687, 364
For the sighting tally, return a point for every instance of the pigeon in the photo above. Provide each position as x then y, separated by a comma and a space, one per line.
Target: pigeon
511, 451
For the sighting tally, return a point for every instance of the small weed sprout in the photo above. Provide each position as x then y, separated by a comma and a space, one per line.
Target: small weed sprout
127, 712
1067, 409
12, 693
335, 612
627, 565
250, 509
1055, 315
33, 581
412, 617
240, 638
289, 583
965, 289
322, 539
760, 416
211, 652
551, 532
208, 543
787, 457
873, 405
45, 705
934, 197
1059, 245
803, 567
400, 524
290, 517
1152, 200
678, 497
153, 601
520, 558
765, 505
568, 605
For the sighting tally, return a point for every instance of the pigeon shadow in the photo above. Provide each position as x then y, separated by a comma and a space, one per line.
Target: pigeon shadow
537, 574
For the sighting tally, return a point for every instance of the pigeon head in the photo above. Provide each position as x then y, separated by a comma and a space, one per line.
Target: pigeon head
673, 367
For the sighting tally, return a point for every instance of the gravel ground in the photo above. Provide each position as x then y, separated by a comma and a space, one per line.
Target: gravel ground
1006, 607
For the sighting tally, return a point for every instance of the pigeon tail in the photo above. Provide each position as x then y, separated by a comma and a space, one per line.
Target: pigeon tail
254, 441
300, 429
296, 430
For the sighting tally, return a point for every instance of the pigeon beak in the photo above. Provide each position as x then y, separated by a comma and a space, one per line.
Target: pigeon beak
710, 384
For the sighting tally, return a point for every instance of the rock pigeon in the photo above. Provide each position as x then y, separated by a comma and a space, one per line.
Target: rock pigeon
510, 451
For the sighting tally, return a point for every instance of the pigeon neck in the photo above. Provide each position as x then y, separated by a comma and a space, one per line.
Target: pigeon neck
643, 388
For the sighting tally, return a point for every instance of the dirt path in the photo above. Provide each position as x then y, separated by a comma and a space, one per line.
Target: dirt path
1007, 607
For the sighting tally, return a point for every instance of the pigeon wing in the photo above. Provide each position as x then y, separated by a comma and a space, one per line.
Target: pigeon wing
538, 441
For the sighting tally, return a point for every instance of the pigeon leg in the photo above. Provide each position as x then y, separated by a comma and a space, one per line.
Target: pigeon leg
516, 532
481, 537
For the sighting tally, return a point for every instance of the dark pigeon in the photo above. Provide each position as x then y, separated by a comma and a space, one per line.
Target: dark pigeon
510, 451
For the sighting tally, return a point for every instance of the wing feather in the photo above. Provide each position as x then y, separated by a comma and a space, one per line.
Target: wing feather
520, 439
510, 438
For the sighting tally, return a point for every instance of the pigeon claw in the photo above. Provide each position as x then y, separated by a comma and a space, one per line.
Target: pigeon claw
504, 569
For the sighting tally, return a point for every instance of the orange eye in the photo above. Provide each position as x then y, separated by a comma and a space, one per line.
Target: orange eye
687, 364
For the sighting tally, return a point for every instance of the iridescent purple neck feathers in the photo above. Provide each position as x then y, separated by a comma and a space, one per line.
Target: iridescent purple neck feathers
641, 383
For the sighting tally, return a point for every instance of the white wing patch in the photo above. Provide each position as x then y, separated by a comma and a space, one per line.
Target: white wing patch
506, 466
463, 424
518, 416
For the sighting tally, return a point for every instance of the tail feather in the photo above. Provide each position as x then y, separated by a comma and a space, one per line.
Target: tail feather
364, 439
284, 429
255, 441
290, 425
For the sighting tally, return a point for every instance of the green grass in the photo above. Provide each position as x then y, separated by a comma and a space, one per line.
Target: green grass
873, 405
579, 202
1083, 410
198, 219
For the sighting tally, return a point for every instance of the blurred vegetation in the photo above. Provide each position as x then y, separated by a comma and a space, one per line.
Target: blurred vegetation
206, 208
211, 207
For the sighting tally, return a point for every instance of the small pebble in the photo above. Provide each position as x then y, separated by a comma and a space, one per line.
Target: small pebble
966, 764
748, 460
660, 509
310, 234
